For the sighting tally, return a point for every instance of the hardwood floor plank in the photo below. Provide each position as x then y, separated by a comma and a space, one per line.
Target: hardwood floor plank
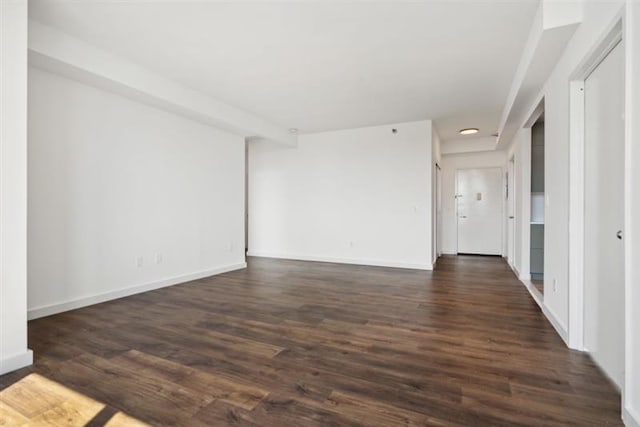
220, 388
376, 413
278, 410
318, 344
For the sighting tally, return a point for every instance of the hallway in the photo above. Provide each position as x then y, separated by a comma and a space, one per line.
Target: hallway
305, 343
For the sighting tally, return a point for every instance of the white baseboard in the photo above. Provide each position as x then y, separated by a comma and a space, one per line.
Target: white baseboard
549, 314
630, 417
375, 263
48, 310
535, 294
561, 330
514, 269
524, 277
539, 299
447, 252
16, 362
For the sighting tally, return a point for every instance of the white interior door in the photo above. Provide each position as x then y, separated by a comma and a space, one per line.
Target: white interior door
479, 206
511, 212
438, 211
604, 214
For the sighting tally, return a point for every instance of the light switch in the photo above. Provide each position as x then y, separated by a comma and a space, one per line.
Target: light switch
479, 196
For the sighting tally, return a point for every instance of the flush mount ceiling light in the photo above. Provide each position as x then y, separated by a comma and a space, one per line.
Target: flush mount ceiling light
293, 130
468, 131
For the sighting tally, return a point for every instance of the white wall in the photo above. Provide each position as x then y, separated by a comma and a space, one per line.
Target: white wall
598, 19
469, 145
632, 225
112, 181
356, 196
450, 164
13, 186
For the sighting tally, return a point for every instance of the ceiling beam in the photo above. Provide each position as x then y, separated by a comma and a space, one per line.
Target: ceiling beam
54, 51
553, 26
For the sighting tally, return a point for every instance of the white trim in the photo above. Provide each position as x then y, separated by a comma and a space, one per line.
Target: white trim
525, 204
524, 277
369, 262
535, 294
514, 268
536, 113
609, 38
549, 314
576, 215
511, 205
48, 310
555, 322
16, 362
630, 417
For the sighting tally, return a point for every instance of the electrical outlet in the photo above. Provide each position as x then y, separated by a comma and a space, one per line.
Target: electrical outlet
140, 261
158, 258
555, 285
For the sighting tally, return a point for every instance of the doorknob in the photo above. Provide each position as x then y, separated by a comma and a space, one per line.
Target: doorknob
463, 216
511, 217
619, 234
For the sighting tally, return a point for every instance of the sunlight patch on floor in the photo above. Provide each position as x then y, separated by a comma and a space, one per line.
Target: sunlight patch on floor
36, 400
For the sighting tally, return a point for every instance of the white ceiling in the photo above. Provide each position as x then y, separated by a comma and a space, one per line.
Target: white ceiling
321, 65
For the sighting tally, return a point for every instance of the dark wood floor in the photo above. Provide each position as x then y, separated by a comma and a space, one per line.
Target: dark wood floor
303, 344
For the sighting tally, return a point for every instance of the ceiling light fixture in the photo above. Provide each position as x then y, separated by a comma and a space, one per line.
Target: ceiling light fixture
468, 131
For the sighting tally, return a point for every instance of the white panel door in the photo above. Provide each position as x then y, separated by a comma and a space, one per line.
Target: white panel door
604, 214
511, 213
438, 211
479, 201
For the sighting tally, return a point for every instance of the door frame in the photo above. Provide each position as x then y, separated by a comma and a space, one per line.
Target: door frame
502, 204
511, 206
602, 48
438, 230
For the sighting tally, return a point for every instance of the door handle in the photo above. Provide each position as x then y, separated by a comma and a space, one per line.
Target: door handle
619, 234
463, 216
511, 216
